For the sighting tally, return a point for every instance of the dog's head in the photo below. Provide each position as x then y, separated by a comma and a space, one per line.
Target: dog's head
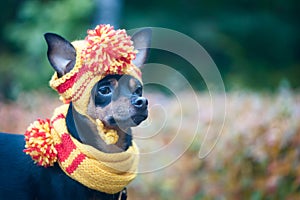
117, 101
105, 87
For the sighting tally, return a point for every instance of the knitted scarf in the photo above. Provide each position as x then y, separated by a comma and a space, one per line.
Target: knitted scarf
48, 142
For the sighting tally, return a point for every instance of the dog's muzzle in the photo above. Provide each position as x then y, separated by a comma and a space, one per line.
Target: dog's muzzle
141, 106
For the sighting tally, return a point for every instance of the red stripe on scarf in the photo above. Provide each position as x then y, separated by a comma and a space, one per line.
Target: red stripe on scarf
76, 162
65, 148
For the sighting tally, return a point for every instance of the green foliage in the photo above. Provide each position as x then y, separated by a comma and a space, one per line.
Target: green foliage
67, 17
254, 43
24, 39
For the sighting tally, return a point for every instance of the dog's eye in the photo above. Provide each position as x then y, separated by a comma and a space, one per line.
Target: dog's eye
138, 91
104, 90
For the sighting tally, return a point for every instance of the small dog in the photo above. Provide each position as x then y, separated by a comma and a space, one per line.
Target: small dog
116, 100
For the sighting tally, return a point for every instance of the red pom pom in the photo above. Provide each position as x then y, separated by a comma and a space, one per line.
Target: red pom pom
39, 143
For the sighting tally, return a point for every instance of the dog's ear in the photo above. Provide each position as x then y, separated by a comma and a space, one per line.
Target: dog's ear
141, 42
61, 53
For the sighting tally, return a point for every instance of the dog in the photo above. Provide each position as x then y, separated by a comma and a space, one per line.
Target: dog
116, 100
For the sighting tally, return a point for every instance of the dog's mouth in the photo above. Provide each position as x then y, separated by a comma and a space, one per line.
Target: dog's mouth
134, 120
137, 119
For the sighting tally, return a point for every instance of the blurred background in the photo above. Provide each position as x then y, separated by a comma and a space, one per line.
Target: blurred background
255, 44
256, 47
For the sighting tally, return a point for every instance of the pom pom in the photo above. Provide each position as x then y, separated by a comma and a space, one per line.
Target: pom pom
39, 143
111, 137
109, 51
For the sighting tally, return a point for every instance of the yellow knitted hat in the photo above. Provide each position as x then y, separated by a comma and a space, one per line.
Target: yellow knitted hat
104, 51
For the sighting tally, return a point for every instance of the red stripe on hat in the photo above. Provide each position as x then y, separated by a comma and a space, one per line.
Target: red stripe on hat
67, 84
76, 162
78, 93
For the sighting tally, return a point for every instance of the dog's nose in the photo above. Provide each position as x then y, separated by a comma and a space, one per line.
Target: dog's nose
140, 102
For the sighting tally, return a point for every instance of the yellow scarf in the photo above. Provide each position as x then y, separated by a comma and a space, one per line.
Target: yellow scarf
49, 142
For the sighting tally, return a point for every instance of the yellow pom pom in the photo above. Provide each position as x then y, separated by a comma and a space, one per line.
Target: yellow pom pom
39, 143
111, 137
108, 136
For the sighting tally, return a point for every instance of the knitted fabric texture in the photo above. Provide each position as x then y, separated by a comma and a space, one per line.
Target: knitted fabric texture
104, 51
105, 172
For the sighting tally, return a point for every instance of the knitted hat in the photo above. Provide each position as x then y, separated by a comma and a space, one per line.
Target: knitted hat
104, 51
